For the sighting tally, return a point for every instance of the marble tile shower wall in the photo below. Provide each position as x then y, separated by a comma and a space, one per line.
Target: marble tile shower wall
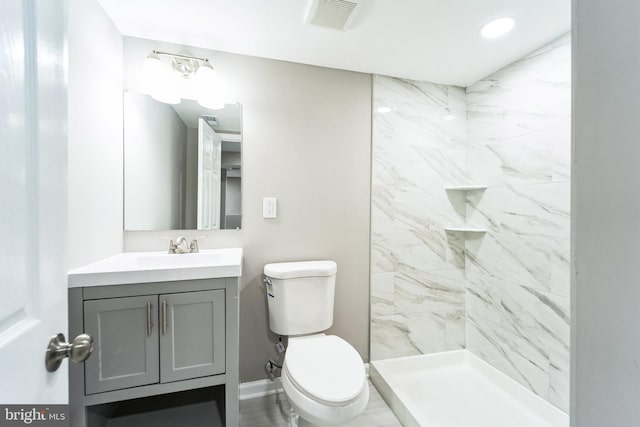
503, 295
517, 274
418, 291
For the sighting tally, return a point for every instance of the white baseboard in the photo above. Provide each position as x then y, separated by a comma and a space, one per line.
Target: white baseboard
262, 388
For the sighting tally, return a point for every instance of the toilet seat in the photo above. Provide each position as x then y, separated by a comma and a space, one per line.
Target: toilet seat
324, 380
325, 368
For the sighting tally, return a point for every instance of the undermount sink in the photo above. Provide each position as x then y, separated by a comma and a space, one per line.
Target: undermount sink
141, 267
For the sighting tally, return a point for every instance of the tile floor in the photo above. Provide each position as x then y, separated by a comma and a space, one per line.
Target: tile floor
269, 411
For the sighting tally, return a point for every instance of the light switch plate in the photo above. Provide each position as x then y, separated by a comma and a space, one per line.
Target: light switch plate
269, 207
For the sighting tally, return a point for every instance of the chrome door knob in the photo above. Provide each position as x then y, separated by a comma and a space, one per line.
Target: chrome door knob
78, 351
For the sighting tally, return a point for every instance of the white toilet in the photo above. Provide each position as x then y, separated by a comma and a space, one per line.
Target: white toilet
323, 376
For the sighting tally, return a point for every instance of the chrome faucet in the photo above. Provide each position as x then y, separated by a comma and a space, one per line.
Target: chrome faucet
180, 246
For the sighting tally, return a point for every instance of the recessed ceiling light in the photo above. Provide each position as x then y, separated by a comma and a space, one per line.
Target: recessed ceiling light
497, 28
384, 110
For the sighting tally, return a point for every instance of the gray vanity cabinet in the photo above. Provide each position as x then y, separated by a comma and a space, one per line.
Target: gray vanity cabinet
125, 349
153, 339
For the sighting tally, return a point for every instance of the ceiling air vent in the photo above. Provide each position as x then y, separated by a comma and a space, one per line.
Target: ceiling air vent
211, 120
336, 14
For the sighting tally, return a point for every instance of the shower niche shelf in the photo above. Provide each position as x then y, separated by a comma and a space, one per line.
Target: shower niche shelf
465, 230
465, 187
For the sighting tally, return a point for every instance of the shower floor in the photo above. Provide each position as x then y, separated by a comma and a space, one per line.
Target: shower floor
458, 389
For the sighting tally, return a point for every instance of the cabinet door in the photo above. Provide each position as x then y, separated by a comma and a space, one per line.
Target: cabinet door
125, 337
192, 335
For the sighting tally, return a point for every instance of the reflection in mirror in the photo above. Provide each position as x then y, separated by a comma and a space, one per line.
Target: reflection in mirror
182, 165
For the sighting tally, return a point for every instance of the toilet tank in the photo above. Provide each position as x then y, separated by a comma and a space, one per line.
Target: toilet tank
300, 296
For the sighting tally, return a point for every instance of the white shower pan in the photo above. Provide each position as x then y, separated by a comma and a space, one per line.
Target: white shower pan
458, 389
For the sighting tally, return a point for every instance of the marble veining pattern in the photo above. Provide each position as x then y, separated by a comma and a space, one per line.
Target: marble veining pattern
504, 295
517, 275
417, 267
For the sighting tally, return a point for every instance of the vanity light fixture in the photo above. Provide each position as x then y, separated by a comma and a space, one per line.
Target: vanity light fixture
497, 27
187, 77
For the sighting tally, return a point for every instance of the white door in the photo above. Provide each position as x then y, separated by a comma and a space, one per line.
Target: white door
33, 291
209, 164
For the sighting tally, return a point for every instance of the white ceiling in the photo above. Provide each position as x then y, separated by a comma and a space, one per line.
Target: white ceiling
432, 40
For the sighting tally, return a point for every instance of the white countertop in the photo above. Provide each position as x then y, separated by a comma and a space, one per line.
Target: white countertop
144, 267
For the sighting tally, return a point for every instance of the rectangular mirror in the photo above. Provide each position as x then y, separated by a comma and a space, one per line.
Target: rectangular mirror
182, 165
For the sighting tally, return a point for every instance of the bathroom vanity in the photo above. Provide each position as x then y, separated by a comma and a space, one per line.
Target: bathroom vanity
162, 325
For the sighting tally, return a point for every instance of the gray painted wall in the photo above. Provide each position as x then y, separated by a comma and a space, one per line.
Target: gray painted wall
307, 141
605, 214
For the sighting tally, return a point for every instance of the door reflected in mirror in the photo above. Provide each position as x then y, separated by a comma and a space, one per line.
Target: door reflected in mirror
182, 165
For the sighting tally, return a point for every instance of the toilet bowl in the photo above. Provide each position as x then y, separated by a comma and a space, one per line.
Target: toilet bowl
323, 376
325, 380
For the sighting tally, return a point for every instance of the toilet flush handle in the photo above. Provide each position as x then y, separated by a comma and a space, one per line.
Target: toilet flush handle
267, 282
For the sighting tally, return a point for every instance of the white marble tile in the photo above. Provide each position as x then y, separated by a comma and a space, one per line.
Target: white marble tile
382, 259
559, 379
455, 330
423, 114
524, 260
417, 291
540, 318
382, 291
508, 325
560, 267
561, 171
413, 166
526, 159
482, 300
433, 252
496, 346
391, 337
410, 334
428, 206
428, 247
536, 210
383, 210
529, 95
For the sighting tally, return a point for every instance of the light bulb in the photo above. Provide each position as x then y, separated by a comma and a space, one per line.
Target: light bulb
209, 95
160, 81
153, 66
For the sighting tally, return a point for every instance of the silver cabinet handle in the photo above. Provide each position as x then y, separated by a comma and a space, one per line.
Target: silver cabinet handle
164, 317
149, 323
78, 351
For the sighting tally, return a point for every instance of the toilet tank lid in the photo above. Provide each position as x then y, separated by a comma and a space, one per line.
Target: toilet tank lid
290, 270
